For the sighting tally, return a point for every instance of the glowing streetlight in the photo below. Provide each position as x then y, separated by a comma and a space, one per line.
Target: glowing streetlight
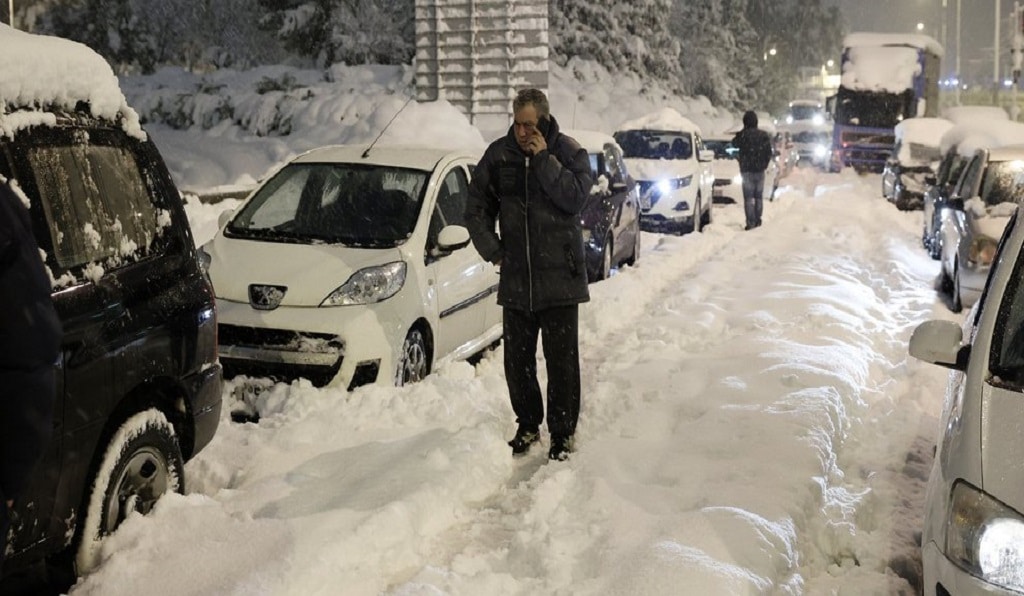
920, 26
830, 63
772, 52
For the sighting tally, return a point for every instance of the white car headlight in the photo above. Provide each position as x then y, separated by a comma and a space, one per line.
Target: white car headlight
820, 151
985, 537
982, 250
369, 285
818, 120
737, 179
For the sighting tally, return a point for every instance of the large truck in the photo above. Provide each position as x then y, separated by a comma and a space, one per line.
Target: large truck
886, 78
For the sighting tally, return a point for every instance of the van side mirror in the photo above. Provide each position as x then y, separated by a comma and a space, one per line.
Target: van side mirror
452, 238
705, 155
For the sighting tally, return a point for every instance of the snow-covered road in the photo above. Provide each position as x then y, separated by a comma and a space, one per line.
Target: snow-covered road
751, 424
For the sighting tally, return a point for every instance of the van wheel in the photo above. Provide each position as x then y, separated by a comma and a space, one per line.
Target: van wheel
632, 259
415, 364
606, 259
142, 462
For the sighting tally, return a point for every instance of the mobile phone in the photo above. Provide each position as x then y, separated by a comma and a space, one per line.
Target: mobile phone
544, 125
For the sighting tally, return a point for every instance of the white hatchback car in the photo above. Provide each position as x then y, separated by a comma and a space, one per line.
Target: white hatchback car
665, 153
351, 266
973, 538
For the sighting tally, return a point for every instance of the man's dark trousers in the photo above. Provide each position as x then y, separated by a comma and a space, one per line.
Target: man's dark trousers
558, 328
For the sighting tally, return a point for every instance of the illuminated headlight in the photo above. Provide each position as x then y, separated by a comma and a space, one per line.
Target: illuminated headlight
818, 119
667, 185
983, 250
587, 235
820, 151
737, 179
682, 206
789, 120
369, 285
985, 537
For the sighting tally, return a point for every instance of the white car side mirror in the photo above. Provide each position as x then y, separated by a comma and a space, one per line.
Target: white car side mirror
939, 342
452, 238
705, 155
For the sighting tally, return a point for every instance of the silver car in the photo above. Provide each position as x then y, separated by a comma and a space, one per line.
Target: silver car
985, 195
973, 535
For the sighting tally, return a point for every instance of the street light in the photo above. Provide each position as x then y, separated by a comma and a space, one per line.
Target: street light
920, 26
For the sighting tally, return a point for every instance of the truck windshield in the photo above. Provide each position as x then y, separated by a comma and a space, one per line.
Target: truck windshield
872, 109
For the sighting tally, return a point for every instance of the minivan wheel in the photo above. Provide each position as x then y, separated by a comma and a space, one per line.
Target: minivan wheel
415, 363
142, 462
632, 259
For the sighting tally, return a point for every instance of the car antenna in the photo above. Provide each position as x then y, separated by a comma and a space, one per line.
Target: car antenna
367, 152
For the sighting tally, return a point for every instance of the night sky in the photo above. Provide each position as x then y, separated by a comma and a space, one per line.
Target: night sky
976, 32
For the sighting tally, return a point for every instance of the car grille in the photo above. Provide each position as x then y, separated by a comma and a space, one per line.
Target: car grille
284, 341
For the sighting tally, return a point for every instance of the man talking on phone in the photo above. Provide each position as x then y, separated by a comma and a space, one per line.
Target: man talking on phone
533, 183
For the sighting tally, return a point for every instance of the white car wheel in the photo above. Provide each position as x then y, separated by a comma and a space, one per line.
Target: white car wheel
415, 364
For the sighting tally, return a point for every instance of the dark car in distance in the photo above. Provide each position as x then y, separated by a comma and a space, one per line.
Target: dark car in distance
611, 215
138, 383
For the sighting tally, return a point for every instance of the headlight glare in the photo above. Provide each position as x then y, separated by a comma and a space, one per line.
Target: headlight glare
820, 151
985, 537
369, 285
737, 179
983, 250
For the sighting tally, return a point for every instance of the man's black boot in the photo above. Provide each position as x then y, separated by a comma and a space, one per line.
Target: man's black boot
525, 436
561, 447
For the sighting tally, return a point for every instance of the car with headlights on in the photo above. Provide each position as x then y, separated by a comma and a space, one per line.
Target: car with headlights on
665, 152
813, 146
914, 160
728, 185
988, 192
973, 536
352, 265
611, 215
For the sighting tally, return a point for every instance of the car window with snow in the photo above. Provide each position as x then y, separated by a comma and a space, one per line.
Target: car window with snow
1002, 182
655, 144
1007, 358
349, 204
97, 204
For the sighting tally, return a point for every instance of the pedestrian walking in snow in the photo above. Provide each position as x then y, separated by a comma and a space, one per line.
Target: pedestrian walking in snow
533, 183
30, 333
755, 153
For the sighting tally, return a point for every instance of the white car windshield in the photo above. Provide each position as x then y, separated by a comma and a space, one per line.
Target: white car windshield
655, 144
338, 203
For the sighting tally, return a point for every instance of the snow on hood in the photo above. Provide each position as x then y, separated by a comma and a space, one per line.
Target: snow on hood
926, 131
663, 119
41, 71
310, 271
591, 140
660, 169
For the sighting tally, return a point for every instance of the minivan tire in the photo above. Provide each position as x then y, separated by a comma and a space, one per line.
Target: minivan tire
141, 463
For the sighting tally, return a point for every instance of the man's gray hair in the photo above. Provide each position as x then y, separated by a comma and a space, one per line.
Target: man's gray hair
534, 97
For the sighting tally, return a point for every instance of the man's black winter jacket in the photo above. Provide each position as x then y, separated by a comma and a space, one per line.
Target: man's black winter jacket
536, 201
755, 149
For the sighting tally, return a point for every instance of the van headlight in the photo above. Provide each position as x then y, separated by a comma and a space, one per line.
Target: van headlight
369, 285
820, 151
985, 537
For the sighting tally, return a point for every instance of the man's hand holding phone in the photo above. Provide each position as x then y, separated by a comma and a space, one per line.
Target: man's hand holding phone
537, 142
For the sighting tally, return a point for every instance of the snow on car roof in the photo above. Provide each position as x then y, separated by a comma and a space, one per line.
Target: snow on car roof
926, 131
982, 133
591, 140
404, 156
663, 119
881, 68
959, 114
914, 40
42, 72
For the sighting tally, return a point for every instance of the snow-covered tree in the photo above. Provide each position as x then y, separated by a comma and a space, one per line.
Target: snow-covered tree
345, 31
621, 36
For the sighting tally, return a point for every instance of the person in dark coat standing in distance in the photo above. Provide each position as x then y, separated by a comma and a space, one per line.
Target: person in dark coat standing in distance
533, 182
755, 153
30, 335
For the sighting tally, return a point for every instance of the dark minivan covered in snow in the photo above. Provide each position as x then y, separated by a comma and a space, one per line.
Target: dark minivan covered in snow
138, 381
